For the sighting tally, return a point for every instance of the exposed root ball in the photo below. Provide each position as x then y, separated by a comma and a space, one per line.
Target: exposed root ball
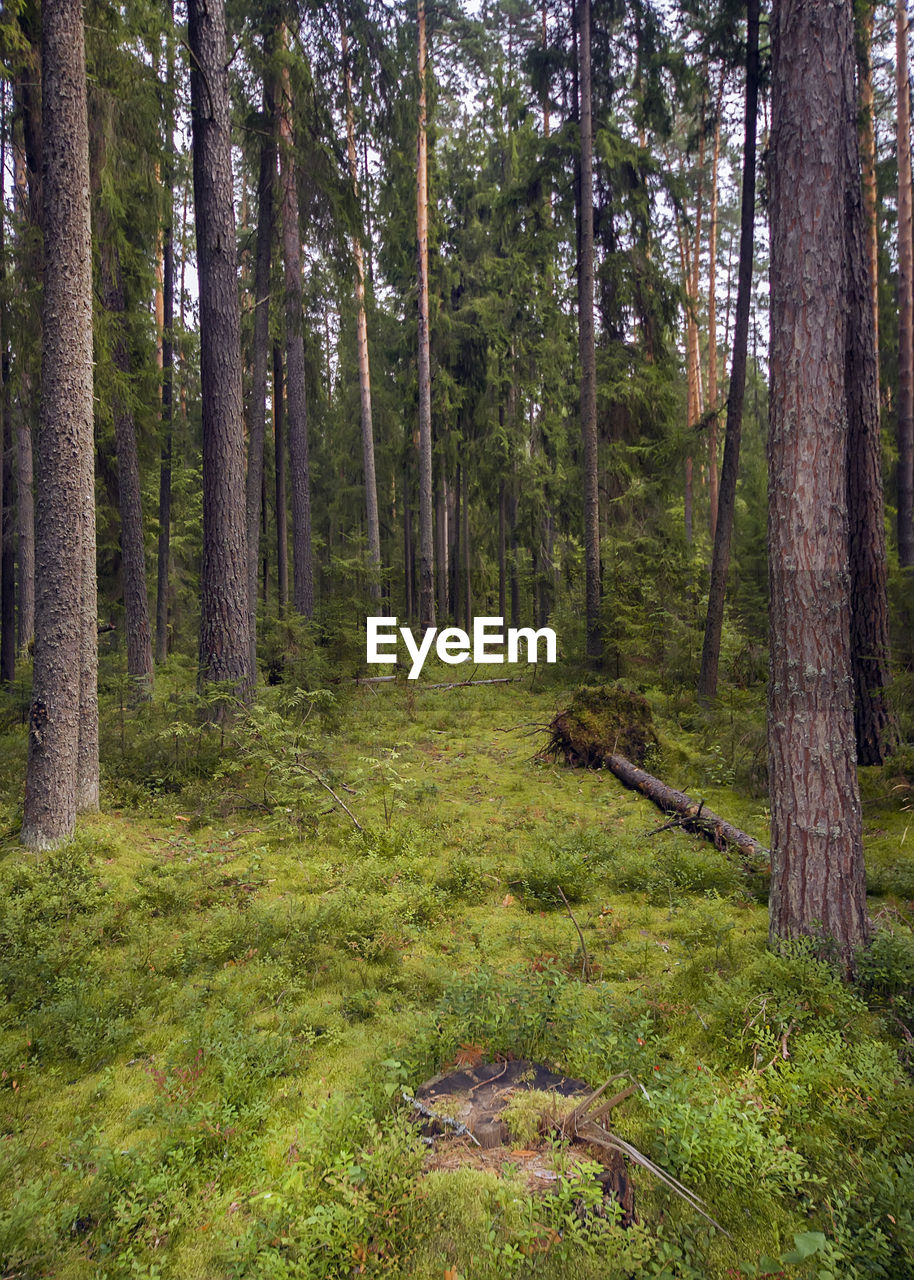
600, 722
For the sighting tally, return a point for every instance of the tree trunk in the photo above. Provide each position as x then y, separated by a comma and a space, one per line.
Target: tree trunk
713, 485
296, 401
426, 544
7, 512
818, 884
224, 647
163, 549
64, 439
133, 547
868, 156
441, 532
282, 534
720, 562
257, 406
368, 463
875, 727
905, 426
502, 577
587, 350
25, 526
465, 539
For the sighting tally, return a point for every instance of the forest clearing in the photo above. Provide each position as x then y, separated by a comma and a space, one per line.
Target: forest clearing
217, 994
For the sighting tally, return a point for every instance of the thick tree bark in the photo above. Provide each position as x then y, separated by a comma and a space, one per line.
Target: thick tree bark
25, 528
257, 406
296, 402
905, 426
133, 547
279, 445
587, 349
426, 543
720, 562
54, 775
868, 157
163, 549
818, 884
368, 463
875, 726
224, 647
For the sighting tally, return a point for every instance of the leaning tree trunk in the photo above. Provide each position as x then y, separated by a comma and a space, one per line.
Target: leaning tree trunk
296, 402
163, 549
588, 351
905, 427
875, 726
720, 562
257, 407
64, 435
426, 543
818, 885
224, 648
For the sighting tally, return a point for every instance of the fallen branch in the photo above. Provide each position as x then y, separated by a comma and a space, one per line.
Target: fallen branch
692, 816
327, 787
586, 971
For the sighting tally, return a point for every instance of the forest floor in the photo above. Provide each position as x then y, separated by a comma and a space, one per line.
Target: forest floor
216, 995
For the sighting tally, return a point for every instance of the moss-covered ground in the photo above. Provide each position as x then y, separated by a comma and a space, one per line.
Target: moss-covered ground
216, 995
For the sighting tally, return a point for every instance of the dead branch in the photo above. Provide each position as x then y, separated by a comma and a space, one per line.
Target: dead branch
586, 971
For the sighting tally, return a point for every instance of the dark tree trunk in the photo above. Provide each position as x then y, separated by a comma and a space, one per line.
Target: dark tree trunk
905, 420
441, 565
502, 558
587, 349
25, 527
163, 550
7, 509
408, 575
875, 727
133, 548
224, 647
426, 544
64, 438
296, 402
282, 533
257, 407
726, 503
818, 884
465, 539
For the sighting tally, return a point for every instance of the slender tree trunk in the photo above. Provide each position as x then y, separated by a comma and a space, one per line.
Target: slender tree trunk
818, 884
368, 462
133, 546
875, 726
905, 426
588, 351
296, 401
713, 485
282, 534
467, 555
426, 544
56, 771
257, 406
7, 512
25, 529
502, 558
408, 592
720, 562
441, 532
163, 549
224, 643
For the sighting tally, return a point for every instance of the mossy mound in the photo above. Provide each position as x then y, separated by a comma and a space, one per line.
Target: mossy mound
602, 721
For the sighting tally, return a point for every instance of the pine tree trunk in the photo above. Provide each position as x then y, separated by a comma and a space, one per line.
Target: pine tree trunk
282, 533
426, 544
720, 562
25, 527
224, 645
905, 427
133, 548
467, 554
441, 533
296, 400
868, 157
818, 884
7, 509
713, 482
163, 549
257, 405
587, 350
53, 774
502, 576
365, 415
875, 726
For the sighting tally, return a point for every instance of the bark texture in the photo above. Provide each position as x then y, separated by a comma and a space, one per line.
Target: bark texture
296, 402
257, 407
163, 550
587, 348
726, 504
905, 422
25, 528
64, 437
426, 542
282, 533
224, 648
818, 885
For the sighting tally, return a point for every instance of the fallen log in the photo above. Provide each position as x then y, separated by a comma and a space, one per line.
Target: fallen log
692, 815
